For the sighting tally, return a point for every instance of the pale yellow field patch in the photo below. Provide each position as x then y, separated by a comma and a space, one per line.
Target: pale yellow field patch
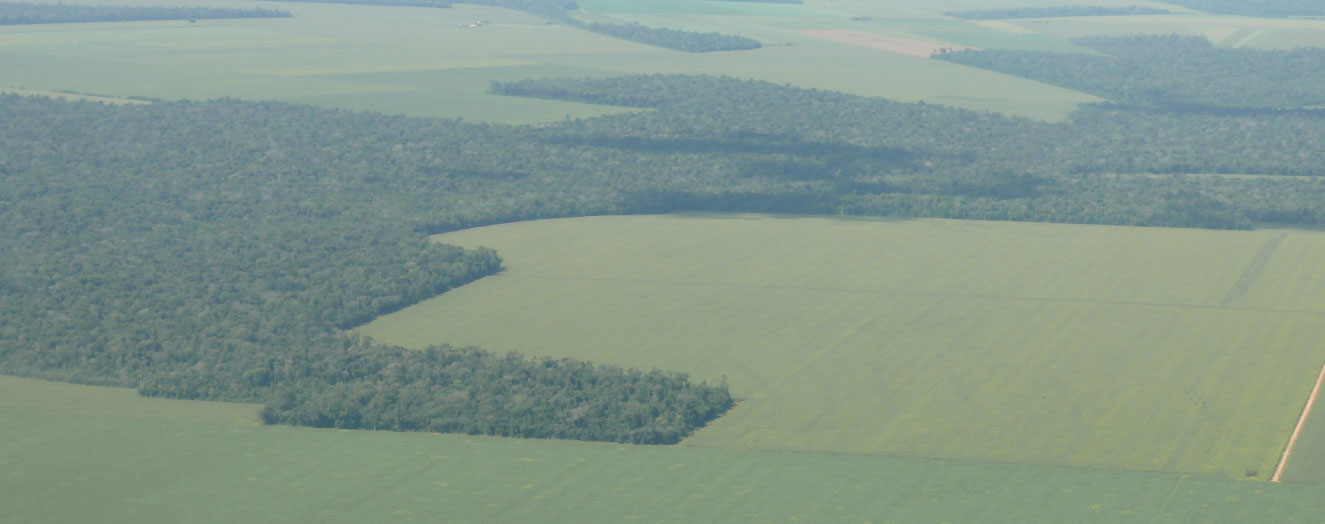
1000, 25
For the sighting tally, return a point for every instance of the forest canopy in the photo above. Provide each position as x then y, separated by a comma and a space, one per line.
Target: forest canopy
1271, 8
1169, 72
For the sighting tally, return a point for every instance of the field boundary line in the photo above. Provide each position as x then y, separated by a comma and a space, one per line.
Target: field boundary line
1301, 421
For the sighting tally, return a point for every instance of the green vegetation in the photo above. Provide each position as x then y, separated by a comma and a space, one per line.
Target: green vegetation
214, 250
76, 454
688, 41
1045, 12
442, 4
183, 247
1150, 349
826, 152
16, 13
1259, 8
1171, 72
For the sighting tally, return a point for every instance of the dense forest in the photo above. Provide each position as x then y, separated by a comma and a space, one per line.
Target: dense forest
21, 13
220, 249
688, 41
1045, 12
1170, 72
216, 250
1272, 8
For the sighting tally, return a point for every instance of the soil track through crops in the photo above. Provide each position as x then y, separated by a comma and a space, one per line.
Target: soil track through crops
1301, 421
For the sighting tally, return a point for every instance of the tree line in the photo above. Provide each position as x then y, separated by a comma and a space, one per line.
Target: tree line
1055, 11
688, 41
23, 13
440, 4
1169, 72
1268, 8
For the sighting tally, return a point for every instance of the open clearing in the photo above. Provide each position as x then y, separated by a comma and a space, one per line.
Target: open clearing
1137, 348
75, 454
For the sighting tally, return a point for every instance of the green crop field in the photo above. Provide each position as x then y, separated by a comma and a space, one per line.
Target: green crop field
1148, 349
78, 454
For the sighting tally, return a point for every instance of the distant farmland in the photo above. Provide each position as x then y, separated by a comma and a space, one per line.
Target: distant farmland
1148, 349
426, 62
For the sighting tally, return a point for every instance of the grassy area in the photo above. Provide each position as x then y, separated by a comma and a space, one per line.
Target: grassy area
75, 454
1149, 349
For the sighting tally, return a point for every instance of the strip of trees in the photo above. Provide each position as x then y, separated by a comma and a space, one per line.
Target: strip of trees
688, 41
23, 13
1046, 12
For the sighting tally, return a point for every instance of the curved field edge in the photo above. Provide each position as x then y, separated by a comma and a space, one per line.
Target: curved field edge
75, 454
1136, 348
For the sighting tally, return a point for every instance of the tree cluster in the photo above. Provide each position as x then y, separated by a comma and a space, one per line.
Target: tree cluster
450, 390
22, 13
1057, 11
1268, 8
1170, 72
440, 4
688, 41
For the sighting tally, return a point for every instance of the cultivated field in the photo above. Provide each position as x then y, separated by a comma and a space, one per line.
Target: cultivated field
75, 454
1147, 349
